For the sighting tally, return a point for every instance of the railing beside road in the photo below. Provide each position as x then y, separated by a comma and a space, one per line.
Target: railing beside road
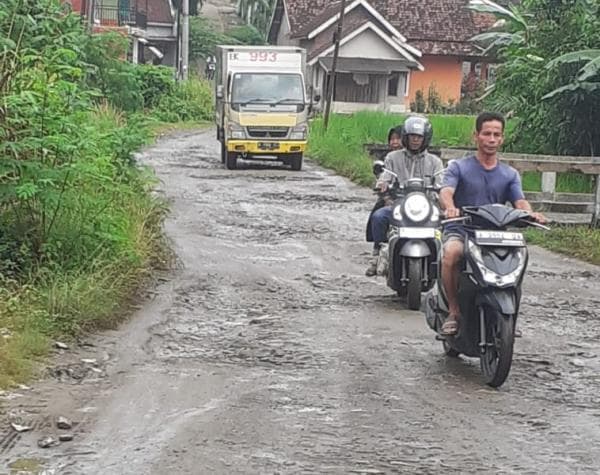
567, 207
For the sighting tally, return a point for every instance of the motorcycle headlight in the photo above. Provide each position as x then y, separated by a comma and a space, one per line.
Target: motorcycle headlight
417, 207
489, 276
236, 132
298, 132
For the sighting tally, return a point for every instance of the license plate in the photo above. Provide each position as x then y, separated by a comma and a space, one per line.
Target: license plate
499, 238
268, 145
417, 233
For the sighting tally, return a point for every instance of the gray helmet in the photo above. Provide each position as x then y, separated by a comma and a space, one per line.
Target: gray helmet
417, 125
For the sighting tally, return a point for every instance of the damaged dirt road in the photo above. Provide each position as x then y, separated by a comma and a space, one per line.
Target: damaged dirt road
268, 351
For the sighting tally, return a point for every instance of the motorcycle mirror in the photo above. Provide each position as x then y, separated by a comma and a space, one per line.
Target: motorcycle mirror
378, 167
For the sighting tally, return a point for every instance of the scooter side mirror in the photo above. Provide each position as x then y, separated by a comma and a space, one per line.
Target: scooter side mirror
378, 167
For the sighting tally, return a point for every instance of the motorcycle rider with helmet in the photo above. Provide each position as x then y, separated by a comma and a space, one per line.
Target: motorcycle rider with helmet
413, 161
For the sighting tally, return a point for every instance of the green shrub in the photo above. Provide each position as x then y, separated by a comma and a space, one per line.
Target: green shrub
117, 80
247, 35
155, 82
79, 226
191, 100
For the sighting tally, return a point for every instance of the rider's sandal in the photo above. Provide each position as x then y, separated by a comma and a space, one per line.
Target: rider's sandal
450, 328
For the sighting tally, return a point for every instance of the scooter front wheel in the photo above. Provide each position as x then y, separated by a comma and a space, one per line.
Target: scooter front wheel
497, 359
415, 275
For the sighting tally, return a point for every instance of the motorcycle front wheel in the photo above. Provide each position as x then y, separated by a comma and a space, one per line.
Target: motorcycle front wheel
497, 360
415, 276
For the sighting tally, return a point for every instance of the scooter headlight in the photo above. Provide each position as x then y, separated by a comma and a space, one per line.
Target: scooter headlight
491, 277
417, 207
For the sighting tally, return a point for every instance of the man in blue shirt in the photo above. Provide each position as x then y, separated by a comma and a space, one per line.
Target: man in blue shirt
475, 181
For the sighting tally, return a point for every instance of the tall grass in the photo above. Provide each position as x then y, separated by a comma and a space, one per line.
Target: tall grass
104, 245
577, 241
342, 146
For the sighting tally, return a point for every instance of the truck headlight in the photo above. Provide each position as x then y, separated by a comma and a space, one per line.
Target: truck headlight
298, 132
236, 132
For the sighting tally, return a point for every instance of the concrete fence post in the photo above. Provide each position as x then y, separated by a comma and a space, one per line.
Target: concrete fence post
596, 214
548, 185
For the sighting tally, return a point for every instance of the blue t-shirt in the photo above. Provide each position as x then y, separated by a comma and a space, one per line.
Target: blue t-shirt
475, 186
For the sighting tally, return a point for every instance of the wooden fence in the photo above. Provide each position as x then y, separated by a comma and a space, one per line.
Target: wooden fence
577, 208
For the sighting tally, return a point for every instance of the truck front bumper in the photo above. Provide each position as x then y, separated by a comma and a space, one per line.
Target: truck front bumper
266, 147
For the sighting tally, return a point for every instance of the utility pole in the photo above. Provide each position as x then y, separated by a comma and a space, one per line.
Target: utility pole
331, 85
90, 7
185, 39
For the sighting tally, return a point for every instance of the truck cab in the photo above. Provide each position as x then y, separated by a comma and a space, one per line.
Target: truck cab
261, 104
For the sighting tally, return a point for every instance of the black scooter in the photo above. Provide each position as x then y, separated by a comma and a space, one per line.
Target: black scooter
489, 294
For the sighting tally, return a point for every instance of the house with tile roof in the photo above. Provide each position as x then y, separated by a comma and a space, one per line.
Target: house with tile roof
389, 49
150, 24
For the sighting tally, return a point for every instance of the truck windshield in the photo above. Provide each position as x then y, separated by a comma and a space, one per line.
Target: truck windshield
261, 88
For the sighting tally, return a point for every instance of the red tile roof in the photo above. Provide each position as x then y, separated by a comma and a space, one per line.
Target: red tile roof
159, 11
433, 26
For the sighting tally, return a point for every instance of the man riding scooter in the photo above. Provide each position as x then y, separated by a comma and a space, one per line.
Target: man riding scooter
414, 161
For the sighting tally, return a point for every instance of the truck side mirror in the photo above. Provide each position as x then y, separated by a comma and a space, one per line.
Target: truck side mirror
220, 91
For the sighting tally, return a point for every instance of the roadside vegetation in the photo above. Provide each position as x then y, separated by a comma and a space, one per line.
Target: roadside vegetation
342, 149
547, 82
581, 242
80, 229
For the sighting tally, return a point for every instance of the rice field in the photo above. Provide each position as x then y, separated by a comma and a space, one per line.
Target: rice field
341, 147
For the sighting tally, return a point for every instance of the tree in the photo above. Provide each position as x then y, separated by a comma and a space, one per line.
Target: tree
548, 74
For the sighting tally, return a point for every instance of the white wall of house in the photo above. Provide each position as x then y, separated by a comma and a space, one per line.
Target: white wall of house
283, 38
369, 45
351, 107
157, 32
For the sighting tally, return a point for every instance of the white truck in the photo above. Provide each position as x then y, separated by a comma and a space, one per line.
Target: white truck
261, 104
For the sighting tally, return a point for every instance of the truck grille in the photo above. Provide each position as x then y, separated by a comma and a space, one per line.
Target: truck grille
268, 132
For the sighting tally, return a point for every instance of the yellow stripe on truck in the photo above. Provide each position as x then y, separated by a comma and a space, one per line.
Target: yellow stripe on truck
252, 147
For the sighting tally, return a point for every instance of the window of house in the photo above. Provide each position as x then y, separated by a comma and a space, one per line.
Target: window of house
397, 84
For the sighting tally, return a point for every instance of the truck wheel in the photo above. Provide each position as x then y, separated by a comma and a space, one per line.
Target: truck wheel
223, 152
231, 161
296, 162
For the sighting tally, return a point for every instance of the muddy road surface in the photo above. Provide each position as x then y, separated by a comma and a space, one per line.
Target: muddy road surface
268, 351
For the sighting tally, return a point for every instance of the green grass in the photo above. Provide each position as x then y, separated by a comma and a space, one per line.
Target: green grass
565, 182
105, 245
581, 242
341, 148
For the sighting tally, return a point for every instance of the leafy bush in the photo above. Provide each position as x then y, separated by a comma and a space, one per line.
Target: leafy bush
155, 82
204, 37
555, 110
117, 80
191, 101
79, 225
247, 35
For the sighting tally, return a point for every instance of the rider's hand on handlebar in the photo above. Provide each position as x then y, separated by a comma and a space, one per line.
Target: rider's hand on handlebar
383, 186
539, 218
452, 213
